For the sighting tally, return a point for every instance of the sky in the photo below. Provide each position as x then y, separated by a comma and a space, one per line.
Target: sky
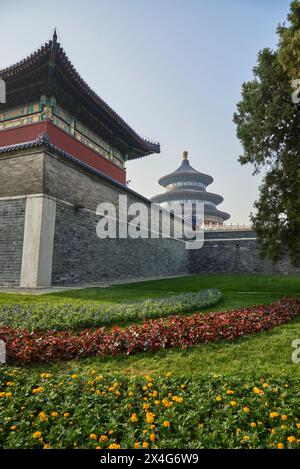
173, 69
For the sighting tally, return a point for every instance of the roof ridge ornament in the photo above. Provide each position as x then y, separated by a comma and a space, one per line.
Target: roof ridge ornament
185, 155
54, 37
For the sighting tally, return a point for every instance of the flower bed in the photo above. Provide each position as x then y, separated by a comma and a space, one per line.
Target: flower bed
64, 410
73, 316
178, 331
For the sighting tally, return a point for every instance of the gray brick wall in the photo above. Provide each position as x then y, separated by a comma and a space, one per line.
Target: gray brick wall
80, 256
222, 255
21, 174
12, 215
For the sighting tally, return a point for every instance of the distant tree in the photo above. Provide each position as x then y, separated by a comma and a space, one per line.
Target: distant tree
268, 126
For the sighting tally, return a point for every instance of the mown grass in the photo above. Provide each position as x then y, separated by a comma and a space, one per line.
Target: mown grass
238, 290
265, 353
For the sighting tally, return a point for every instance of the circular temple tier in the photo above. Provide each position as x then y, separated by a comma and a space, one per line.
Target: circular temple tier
187, 185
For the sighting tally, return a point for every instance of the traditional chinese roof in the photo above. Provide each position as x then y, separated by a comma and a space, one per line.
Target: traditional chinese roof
186, 172
43, 142
48, 71
186, 183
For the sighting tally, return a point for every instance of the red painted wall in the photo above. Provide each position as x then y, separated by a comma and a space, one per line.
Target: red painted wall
64, 141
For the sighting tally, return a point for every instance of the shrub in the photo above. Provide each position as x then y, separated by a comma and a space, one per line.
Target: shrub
177, 331
72, 316
87, 410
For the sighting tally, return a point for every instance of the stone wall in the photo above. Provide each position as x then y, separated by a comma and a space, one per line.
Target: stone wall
61, 199
79, 256
21, 174
12, 215
234, 252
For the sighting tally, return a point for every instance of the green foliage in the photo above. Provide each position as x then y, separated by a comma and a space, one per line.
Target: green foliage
74, 316
88, 410
268, 125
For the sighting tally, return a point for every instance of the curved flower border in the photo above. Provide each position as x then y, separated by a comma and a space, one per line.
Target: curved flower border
177, 331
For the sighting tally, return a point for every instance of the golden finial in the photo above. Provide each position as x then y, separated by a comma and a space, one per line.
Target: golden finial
185, 155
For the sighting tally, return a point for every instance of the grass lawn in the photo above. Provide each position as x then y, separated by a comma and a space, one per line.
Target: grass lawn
267, 352
203, 412
237, 290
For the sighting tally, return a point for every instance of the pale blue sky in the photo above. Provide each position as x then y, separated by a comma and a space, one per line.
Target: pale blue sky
172, 69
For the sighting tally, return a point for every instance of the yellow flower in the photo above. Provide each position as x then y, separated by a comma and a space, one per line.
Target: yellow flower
229, 391
246, 410
253, 424
145, 388
283, 427
183, 386
146, 406
130, 394
9, 383
150, 417
166, 403
284, 417
166, 423
8, 394
218, 398
156, 402
103, 438
54, 414
114, 446
136, 445
118, 393
298, 425
37, 390
98, 447
152, 437
233, 403
280, 445
13, 427
37, 435
66, 414
273, 415
46, 446
111, 432
291, 439
177, 398
93, 436
257, 390
265, 385
145, 444
168, 374
43, 417
134, 418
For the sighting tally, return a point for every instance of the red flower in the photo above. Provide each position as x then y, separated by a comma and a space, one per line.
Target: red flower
176, 331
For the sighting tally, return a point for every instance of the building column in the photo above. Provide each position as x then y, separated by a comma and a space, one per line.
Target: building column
38, 241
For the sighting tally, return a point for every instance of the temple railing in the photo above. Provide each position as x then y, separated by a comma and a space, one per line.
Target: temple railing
230, 227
